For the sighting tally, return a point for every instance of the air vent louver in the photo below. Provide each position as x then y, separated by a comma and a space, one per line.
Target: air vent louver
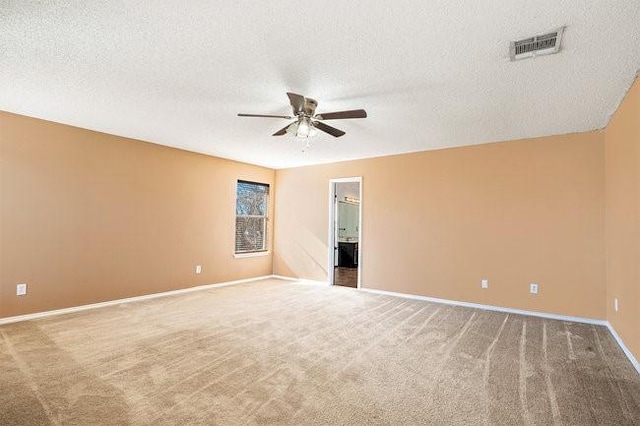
544, 44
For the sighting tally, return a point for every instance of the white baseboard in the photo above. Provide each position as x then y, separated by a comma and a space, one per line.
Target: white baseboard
466, 304
624, 348
44, 314
491, 307
282, 277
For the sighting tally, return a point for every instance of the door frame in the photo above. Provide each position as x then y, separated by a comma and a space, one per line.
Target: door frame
333, 225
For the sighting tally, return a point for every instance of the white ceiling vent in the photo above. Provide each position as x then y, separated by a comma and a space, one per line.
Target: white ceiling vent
544, 44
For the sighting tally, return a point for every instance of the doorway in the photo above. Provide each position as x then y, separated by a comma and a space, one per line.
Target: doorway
345, 232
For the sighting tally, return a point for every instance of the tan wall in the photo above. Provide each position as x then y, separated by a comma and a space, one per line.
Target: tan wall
436, 223
87, 217
622, 186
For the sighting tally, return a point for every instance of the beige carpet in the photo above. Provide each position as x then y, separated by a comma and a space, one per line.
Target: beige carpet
283, 353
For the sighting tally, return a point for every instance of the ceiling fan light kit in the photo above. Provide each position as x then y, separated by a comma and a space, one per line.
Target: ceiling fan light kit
307, 121
303, 128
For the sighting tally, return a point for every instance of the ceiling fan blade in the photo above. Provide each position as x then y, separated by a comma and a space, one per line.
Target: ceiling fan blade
288, 117
282, 131
297, 102
354, 113
328, 129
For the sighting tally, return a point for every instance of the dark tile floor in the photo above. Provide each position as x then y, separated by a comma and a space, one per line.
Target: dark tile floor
346, 277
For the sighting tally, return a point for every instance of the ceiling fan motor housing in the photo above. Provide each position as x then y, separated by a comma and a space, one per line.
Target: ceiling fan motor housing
310, 106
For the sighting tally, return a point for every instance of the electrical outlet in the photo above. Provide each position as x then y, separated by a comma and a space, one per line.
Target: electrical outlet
21, 289
484, 283
533, 288
198, 269
615, 304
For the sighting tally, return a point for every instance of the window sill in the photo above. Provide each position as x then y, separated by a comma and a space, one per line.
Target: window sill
254, 254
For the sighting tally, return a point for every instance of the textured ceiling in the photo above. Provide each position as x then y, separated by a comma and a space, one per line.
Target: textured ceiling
430, 74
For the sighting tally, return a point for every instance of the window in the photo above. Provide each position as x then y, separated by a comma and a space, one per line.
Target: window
252, 204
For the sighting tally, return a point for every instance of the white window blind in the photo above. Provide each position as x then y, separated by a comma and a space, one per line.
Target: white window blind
252, 205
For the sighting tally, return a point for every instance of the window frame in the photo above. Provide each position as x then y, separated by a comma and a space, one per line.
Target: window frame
264, 251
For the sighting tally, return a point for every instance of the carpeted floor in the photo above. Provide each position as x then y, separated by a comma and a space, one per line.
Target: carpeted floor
283, 353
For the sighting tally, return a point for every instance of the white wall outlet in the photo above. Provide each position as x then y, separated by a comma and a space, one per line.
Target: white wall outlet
21, 289
533, 288
615, 304
484, 283
198, 269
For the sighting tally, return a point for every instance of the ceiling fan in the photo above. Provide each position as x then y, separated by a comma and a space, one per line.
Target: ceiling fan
307, 121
